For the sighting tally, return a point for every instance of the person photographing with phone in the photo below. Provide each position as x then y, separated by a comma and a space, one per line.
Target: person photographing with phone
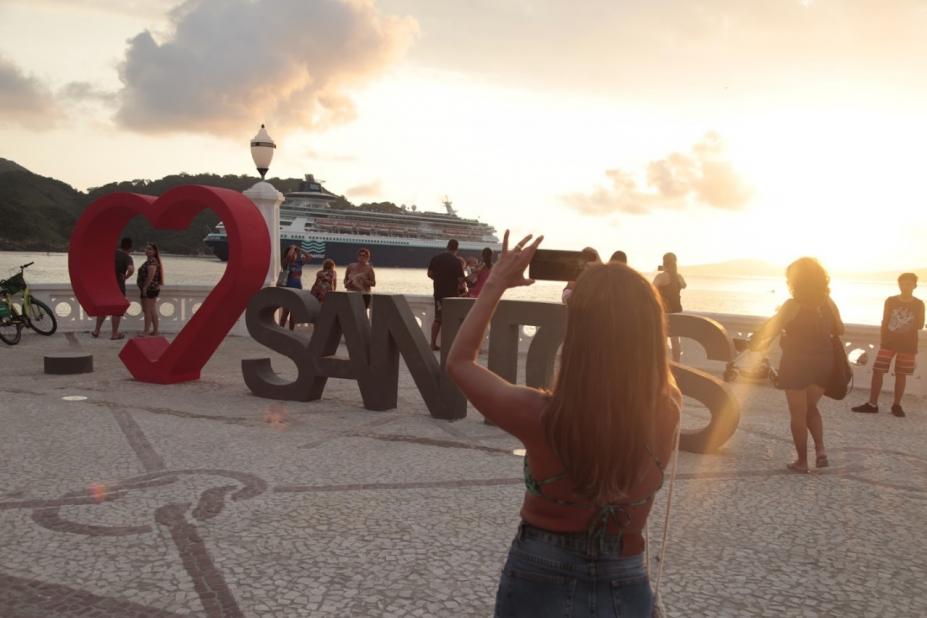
597, 442
670, 284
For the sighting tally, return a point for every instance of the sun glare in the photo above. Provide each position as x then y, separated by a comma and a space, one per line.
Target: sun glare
824, 174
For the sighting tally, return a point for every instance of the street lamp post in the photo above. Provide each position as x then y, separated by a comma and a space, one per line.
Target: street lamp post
262, 151
267, 198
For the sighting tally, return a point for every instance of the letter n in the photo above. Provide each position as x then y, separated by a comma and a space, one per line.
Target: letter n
396, 332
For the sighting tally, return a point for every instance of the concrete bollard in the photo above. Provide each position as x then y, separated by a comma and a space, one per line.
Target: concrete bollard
68, 363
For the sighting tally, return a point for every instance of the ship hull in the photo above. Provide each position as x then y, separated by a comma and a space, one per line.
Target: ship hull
343, 253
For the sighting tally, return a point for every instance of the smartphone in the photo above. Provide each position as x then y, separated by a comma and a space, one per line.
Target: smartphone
556, 265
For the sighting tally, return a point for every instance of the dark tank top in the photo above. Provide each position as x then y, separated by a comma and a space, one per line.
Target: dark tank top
810, 331
670, 293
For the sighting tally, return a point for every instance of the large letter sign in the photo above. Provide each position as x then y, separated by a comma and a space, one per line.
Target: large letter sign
374, 347
90, 263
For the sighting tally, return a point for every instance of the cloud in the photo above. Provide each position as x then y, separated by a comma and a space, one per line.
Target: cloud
24, 99
656, 49
373, 188
229, 65
676, 181
87, 92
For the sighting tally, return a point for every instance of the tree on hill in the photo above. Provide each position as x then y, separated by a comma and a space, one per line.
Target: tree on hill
37, 213
10, 166
190, 240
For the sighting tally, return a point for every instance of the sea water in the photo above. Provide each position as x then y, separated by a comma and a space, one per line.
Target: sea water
860, 302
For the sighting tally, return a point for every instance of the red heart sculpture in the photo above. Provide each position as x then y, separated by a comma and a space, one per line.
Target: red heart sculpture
90, 264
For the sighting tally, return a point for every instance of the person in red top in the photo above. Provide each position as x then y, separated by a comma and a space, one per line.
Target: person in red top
482, 273
596, 443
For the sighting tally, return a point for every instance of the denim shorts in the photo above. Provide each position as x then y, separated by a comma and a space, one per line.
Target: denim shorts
550, 574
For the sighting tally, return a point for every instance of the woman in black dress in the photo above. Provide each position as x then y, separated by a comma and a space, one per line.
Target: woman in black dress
806, 323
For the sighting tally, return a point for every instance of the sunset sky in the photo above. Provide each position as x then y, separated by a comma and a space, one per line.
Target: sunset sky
719, 130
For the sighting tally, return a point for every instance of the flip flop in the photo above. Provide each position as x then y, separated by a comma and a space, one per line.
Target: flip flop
119, 336
821, 461
797, 469
94, 335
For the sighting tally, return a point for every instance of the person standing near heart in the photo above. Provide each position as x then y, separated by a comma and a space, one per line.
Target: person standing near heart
155, 359
125, 268
150, 279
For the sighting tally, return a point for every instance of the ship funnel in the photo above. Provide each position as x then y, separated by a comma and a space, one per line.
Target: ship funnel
449, 206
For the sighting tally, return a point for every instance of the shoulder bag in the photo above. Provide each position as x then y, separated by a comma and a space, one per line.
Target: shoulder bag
841, 378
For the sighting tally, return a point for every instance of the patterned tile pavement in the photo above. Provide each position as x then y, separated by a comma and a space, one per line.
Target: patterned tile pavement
202, 500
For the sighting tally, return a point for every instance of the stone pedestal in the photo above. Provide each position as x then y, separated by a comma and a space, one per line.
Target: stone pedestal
268, 201
68, 363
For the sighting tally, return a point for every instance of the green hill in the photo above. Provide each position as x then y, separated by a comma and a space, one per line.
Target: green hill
38, 213
10, 166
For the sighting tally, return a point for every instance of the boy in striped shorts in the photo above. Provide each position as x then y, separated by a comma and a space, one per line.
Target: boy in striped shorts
902, 318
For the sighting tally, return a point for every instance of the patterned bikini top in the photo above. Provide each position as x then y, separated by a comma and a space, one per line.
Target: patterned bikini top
598, 527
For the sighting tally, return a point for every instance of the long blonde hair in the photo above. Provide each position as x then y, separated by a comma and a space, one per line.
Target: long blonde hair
613, 376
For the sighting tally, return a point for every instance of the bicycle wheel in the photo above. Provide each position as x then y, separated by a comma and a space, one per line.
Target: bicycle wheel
10, 332
40, 318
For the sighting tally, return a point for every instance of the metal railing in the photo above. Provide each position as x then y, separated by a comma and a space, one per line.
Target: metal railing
178, 303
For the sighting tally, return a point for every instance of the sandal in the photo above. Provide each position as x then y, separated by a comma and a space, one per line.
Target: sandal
119, 336
820, 461
94, 335
797, 468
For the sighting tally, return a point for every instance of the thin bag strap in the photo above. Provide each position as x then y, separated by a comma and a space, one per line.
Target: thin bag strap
657, 601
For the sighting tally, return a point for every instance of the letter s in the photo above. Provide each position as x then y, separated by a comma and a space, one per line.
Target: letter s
258, 374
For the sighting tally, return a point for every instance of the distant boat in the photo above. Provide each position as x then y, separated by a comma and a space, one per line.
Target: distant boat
407, 239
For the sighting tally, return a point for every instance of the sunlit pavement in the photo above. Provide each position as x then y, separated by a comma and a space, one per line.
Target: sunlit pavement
200, 499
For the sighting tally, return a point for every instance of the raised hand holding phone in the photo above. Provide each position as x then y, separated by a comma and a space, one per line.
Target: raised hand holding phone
507, 272
509, 269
